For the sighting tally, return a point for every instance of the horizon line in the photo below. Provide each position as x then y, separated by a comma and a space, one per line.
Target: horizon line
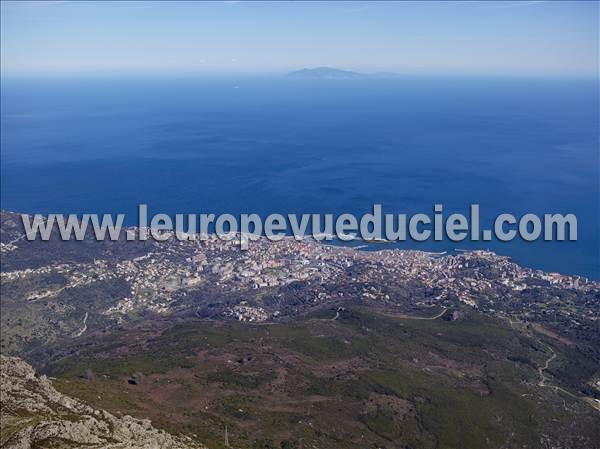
213, 73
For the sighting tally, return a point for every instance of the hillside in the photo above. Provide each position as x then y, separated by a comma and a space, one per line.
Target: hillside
296, 344
35, 415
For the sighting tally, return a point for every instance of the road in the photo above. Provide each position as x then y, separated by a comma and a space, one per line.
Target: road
543, 382
81, 331
413, 317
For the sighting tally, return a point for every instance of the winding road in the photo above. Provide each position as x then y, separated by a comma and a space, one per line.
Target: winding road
543, 382
81, 331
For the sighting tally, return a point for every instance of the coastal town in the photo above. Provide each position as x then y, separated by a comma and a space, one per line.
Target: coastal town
161, 280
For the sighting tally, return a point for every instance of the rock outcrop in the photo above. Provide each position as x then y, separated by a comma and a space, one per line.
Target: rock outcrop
34, 414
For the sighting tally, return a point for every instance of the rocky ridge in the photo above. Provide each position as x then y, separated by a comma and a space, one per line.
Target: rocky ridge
35, 414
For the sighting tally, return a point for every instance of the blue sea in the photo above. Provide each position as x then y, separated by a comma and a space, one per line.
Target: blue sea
276, 145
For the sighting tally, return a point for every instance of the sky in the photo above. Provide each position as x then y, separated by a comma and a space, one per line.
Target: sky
497, 38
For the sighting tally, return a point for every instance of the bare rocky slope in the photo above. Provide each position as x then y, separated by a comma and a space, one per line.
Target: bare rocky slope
35, 415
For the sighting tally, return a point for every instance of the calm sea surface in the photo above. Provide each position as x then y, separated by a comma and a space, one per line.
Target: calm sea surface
251, 145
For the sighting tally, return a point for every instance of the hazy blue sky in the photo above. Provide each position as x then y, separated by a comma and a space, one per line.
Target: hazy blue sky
525, 37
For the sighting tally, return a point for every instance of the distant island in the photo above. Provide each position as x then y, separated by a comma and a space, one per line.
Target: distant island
324, 73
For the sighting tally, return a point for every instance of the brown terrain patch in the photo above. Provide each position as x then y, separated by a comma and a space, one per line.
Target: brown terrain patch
548, 333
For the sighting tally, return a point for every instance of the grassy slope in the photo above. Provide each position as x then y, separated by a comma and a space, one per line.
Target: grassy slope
364, 380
